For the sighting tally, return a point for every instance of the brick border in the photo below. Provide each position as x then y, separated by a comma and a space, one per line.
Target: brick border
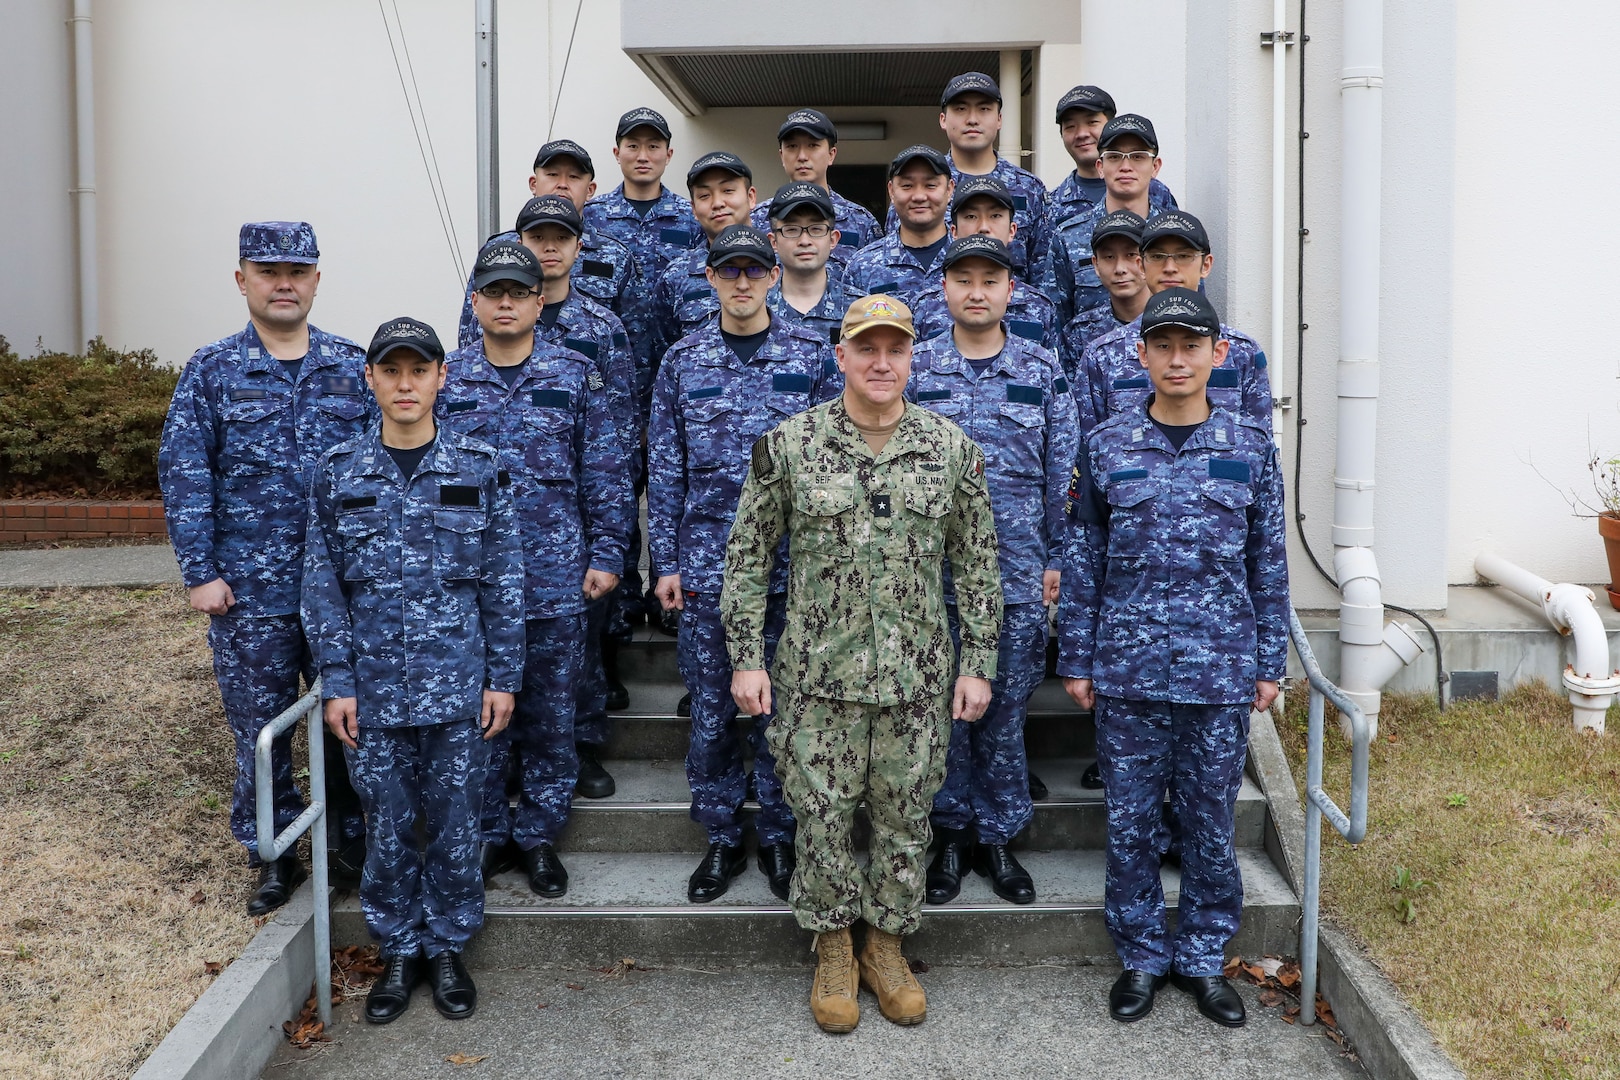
28, 521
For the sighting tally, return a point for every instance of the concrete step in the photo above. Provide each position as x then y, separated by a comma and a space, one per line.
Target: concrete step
650, 812
623, 904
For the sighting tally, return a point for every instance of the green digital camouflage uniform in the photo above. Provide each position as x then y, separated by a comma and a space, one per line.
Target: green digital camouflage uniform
864, 671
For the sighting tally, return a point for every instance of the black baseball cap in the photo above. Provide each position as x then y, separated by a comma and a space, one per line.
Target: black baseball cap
1128, 124
936, 160
741, 242
642, 117
1184, 308
812, 123
1119, 223
972, 187
977, 246
564, 148
405, 333
970, 82
790, 197
719, 159
550, 209
1174, 223
1089, 98
506, 260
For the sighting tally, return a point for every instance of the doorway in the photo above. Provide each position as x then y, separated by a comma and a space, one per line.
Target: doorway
867, 185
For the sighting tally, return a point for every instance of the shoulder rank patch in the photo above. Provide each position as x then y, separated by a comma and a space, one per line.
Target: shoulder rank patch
763, 463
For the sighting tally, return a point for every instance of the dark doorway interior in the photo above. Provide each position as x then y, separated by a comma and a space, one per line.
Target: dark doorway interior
864, 184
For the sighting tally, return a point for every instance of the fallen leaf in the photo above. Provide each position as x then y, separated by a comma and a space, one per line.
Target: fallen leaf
1288, 975
197, 898
918, 967
544, 1005
466, 1059
304, 1032
1270, 998
573, 986
213, 967
1559, 1023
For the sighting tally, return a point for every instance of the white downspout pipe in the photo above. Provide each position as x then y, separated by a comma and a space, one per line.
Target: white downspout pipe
1369, 654
84, 187
1279, 192
1590, 678
1012, 106
487, 116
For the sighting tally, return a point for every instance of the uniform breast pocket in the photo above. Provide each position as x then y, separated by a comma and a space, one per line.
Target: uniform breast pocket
926, 507
1132, 520
712, 426
255, 439
548, 452
1225, 525
458, 542
365, 545
1022, 439
823, 506
696, 309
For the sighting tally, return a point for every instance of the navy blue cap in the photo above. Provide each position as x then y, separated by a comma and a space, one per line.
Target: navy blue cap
741, 242
1128, 124
936, 160
564, 148
1089, 98
812, 123
506, 260
550, 209
1184, 308
977, 246
719, 159
277, 242
1119, 223
405, 333
1175, 223
970, 82
790, 197
642, 117
972, 187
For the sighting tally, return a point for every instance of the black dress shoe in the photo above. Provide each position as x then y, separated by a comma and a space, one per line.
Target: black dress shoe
594, 782
1132, 995
496, 859
1091, 779
1037, 787
547, 876
683, 707
950, 863
392, 991
277, 880
346, 862
617, 696
1215, 997
776, 862
454, 994
667, 622
1008, 879
713, 876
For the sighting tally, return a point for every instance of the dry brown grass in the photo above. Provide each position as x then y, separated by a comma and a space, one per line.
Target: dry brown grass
1513, 822
119, 880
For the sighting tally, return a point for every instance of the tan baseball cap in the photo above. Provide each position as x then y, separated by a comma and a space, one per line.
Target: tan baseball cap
876, 310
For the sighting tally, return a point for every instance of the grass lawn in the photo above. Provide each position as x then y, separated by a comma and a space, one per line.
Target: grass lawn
1488, 888
120, 884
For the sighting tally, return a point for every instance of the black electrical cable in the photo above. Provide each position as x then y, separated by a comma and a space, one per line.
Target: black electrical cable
1440, 676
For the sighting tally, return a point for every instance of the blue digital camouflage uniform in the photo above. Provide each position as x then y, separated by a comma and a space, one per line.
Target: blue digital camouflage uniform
856, 225
1020, 414
1068, 276
605, 271
1028, 247
1070, 198
1111, 379
889, 267
1175, 601
709, 408
1030, 315
413, 599
571, 484
683, 302
1082, 330
240, 442
825, 320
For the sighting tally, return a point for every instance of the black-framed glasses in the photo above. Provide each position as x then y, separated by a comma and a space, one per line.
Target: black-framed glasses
753, 270
1180, 258
1135, 157
793, 232
496, 290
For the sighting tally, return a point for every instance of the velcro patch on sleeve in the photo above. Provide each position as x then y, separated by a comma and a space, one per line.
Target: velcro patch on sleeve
621, 340
1227, 469
1060, 386
835, 335
358, 502
1225, 378
1020, 203
1259, 360
790, 383
763, 463
553, 399
598, 268
1027, 329
503, 478
458, 495
1025, 395
584, 346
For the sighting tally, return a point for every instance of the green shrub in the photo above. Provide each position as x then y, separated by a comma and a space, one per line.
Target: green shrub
82, 425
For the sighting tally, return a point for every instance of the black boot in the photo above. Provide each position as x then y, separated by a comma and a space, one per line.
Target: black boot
950, 863
1132, 995
618, 698
277, 880
594, 782
1037, 787
776, 862
545, 871
346, 862
1008, 879
713, 876
683, 707
1215, 997
495, 859
1091, 779
454, 994
391, 993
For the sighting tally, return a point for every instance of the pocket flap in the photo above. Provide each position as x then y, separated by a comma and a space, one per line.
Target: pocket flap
461, 521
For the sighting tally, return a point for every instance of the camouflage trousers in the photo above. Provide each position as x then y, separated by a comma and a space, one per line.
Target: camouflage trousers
541, 737
831, 755
714, 758
257, 663
987, 771
422, 898
1196, 754
590, 703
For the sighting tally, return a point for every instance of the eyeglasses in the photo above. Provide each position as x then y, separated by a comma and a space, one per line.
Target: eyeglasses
1180, 258
793, 232
753, 270
1135, 157
496, 291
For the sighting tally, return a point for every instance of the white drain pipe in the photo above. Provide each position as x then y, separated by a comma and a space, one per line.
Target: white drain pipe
84, 187
1369, 654
1590, 678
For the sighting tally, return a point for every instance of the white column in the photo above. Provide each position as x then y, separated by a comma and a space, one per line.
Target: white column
1012, 111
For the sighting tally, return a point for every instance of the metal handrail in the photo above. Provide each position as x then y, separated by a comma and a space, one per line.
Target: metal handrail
1318, 804
312, 821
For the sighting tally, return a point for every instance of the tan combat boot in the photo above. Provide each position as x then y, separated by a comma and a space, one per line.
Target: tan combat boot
833, 993
885, 972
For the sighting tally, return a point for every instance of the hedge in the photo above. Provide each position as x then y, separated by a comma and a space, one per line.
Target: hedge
82, 426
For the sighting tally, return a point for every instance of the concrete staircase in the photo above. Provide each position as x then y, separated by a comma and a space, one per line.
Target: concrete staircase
629, 856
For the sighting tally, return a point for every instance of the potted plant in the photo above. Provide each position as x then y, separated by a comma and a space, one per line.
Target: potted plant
1606, 482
